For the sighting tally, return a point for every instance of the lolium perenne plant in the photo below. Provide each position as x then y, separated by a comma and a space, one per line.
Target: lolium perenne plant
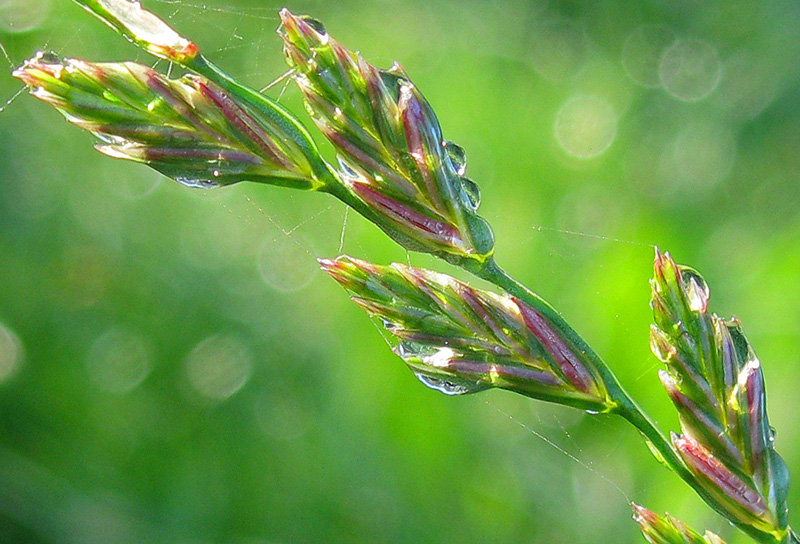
205, 129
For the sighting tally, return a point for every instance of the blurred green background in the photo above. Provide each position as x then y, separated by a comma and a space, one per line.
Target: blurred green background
174, 369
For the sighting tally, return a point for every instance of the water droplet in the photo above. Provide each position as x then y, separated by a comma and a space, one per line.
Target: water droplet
457, 156
592, 412
690, 69
116, 145
48, 57
660, 344
439, 357
388, 325
346, 169
472, 191
406, 350
315, 24
448, 387
197, 183
393, 82
656, 453
696, 289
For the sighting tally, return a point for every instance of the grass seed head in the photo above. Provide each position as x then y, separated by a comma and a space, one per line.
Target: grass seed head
392, 155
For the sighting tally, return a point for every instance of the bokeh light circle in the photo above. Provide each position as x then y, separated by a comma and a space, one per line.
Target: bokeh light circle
23, 15
218, 366
586, 126
286, 262
282, 415
703, 155
11, 352
118, 361
749, 86
690, 69
642, 52
558, 50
